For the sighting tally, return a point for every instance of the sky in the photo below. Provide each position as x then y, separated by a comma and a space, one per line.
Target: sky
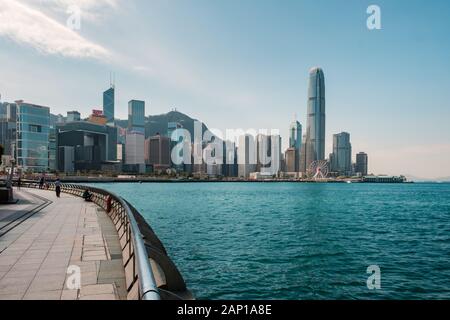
244, 64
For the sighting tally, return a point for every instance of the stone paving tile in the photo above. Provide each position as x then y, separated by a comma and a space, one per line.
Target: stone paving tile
11, 296
69, 295
43, 295
18, 274
47, 283
8, 261
102, 297
5, 268
26, 267
14, 285
95, 258
52, 271
10, 288
89, 278
97, 289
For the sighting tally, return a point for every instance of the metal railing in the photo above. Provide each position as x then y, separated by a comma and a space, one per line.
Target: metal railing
139, 275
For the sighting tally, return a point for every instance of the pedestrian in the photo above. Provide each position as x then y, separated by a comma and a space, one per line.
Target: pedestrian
19, 182
87, 196
58, 187
41, 182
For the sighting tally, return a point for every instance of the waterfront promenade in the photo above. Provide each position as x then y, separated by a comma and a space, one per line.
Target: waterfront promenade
42, 236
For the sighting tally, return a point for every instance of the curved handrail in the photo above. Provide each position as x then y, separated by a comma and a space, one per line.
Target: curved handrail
148, 289
147, 284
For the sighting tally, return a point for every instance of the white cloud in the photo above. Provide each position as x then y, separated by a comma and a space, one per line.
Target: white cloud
28, 26
92, 10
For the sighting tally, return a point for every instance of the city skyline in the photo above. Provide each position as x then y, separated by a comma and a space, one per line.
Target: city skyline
370, 75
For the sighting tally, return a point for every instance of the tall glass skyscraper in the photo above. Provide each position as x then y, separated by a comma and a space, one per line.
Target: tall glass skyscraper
108, 104
362, 163
136, 116
295, 135
315, 126
8, 118
33, 125
295, 142
341, 158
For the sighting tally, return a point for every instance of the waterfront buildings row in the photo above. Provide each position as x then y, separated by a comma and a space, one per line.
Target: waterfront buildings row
42, 142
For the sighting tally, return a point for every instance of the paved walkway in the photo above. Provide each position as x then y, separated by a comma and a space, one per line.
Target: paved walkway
36, 255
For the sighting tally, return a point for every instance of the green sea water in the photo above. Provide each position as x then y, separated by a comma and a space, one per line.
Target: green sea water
301, 241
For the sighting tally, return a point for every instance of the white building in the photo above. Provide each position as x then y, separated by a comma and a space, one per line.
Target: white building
134, 148
247, 155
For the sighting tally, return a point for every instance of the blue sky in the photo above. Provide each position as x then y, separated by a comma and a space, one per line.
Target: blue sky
244, 64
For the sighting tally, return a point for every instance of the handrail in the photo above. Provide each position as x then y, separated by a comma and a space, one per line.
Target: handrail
147, 284
148, 289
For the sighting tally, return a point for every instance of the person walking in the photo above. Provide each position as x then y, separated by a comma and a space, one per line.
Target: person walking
19, 182
58, 188
41, 182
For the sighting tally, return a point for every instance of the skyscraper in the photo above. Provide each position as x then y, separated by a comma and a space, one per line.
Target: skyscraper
108, 104
247, 155
290, 159
171, 128
315, 126
268, 154
33, 125
134, 151
90, 144
341, 158
8, 127
136, 116
362, 163
157, 152
295, 142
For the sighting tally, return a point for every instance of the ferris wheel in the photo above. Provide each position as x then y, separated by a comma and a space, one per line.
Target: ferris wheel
318, 169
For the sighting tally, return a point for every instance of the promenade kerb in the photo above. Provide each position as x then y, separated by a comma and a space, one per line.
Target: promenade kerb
150, 274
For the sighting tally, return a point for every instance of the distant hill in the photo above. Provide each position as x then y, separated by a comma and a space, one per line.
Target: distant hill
158, 123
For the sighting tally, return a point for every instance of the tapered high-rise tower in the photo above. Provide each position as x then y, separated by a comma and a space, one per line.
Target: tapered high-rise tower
295, 142
315, 125
108, 104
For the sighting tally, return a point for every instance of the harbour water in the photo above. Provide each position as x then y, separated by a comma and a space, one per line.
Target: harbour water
302, 241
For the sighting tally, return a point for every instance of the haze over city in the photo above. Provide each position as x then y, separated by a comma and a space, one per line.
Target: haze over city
244, 64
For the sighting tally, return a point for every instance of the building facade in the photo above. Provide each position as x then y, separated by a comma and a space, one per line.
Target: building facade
315, 126
98, 117
157, 152
290, 158
32, 138
247, 156
341, 158
362, 164
109, 104
92, 145
136, 116
8, 127
295, 141
72, 116
134, 151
